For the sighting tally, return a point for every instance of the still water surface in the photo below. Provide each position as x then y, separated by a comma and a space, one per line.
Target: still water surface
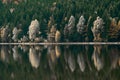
54, 62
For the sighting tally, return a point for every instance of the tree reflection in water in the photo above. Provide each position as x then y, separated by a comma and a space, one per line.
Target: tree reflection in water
71, 61
81, 61
16, 55
114, 57
24, 48
98, 61
34, 57
5, 54
56, 62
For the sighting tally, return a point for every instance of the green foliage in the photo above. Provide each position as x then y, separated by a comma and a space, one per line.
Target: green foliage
41, 9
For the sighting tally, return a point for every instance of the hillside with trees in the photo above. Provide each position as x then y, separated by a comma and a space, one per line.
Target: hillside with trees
61, 10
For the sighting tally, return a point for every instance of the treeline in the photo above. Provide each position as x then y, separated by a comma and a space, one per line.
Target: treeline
61, 10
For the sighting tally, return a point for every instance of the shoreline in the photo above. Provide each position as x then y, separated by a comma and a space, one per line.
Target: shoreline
64, 43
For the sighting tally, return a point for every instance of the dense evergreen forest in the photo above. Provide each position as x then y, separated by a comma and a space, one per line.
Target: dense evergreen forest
26, 11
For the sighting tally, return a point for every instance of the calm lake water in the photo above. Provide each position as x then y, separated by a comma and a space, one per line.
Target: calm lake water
98, 62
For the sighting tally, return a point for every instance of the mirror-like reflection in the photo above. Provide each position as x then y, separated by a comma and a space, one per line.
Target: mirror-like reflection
114, 57
34, 57
71, 61
16, 54
55, 62
98, 61
4, 54
81, 62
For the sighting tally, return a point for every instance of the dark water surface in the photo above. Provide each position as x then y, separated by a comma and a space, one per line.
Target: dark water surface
98, 62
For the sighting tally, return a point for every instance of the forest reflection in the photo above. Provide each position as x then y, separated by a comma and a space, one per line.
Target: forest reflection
56, 62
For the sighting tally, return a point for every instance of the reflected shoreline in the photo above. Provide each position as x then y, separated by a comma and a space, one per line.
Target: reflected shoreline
61, 60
